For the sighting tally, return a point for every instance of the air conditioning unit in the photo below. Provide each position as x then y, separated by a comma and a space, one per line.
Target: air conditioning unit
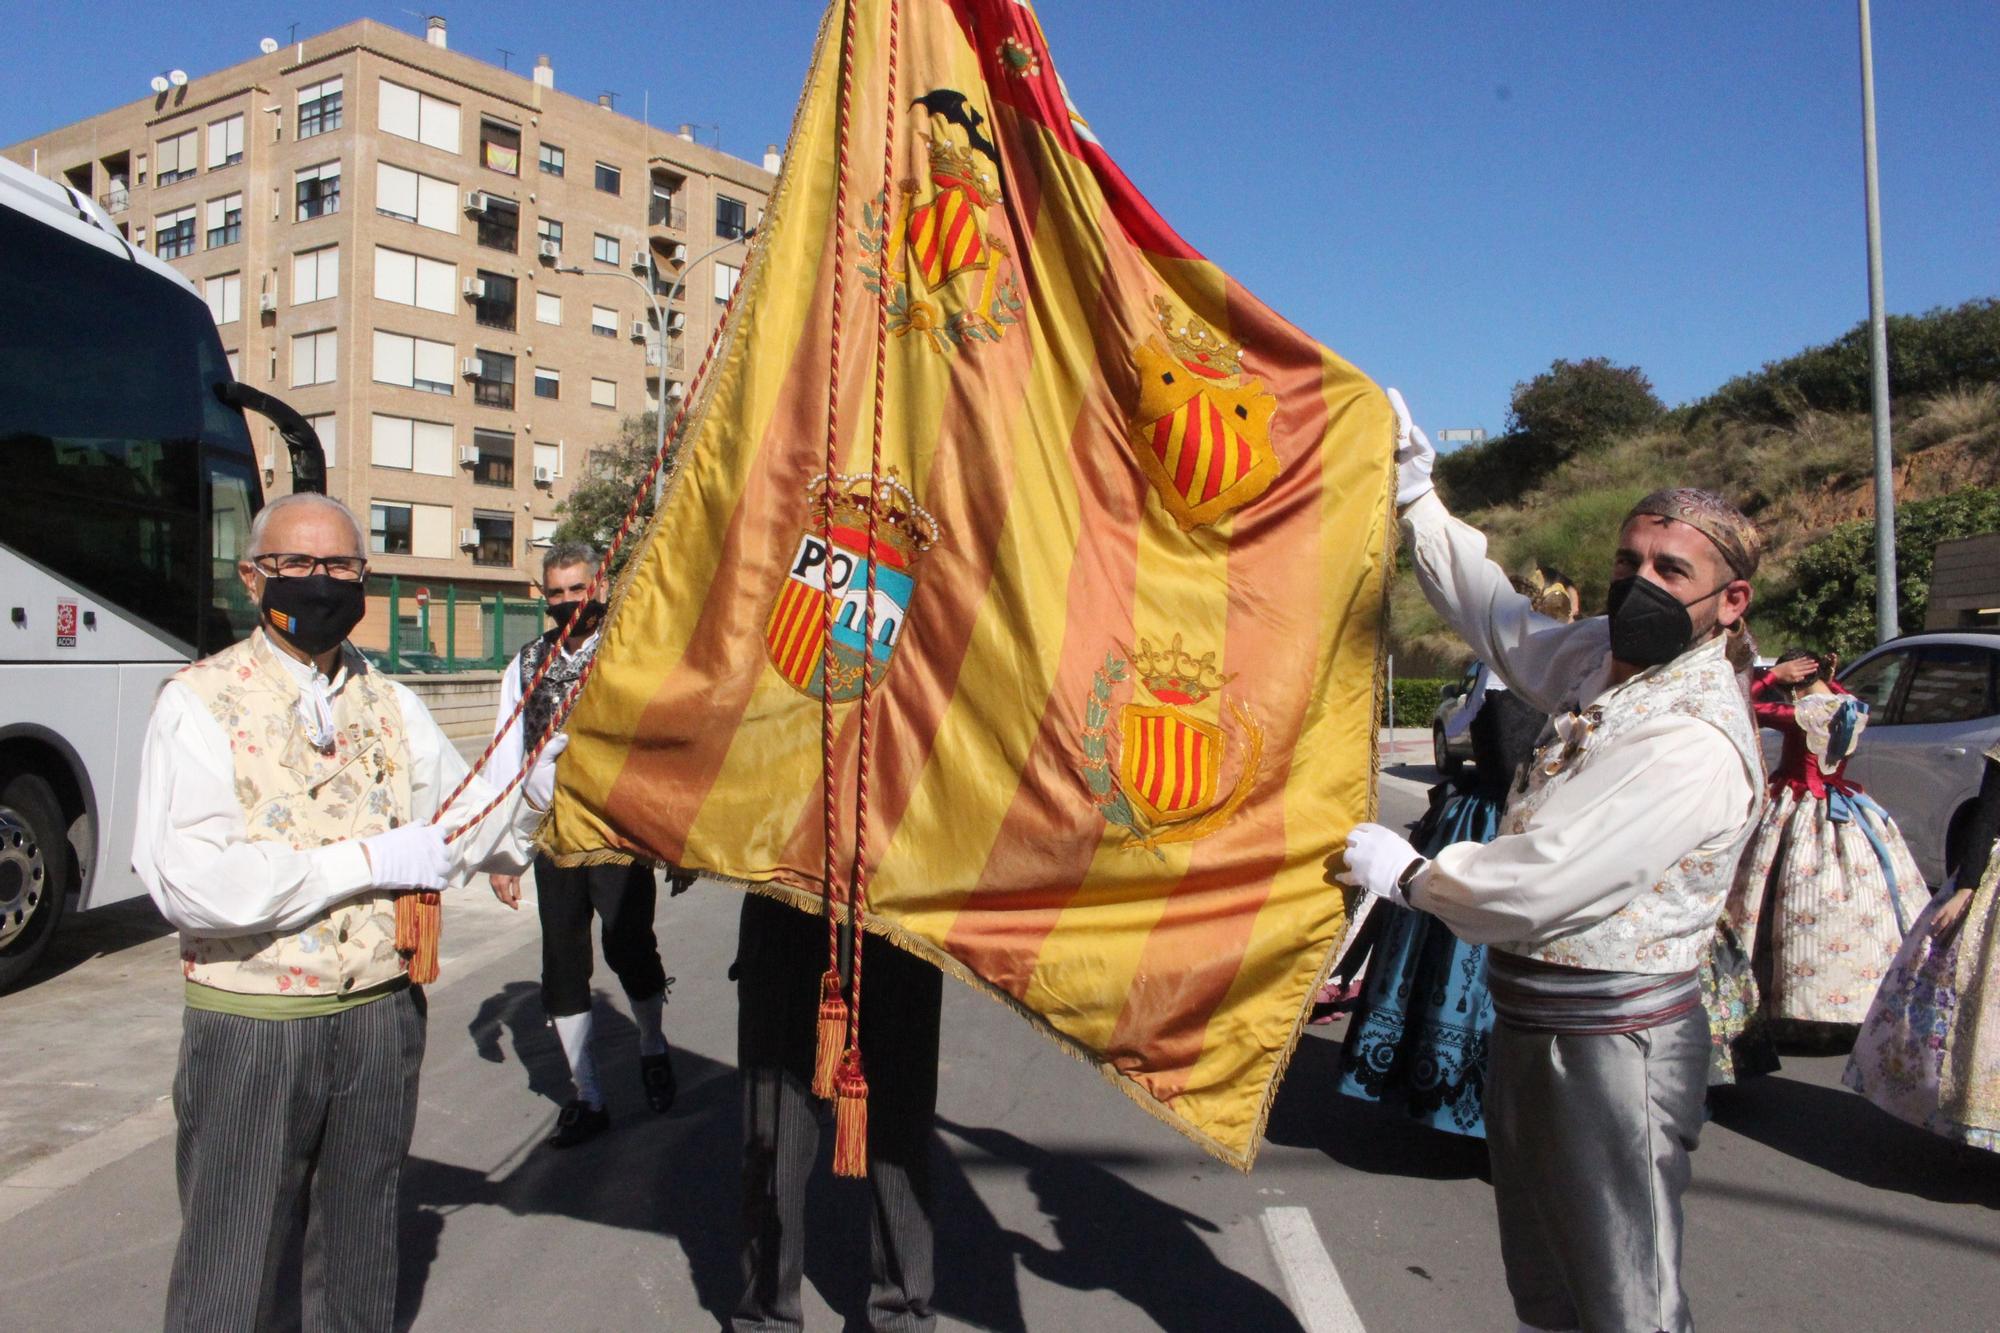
676, 321
642, 263
267, 303
468, 538
468, 455
676, 391
472, 368
544, 476
550, 251
639, 330
475, 201
475, 289
677, 255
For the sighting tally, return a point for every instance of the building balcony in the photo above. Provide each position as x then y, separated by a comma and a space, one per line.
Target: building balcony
667, 213
115, 202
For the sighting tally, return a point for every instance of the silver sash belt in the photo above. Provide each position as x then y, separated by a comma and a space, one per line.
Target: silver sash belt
1534, 996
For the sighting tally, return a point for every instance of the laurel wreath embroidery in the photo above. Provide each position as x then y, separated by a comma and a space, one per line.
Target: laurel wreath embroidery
945, 333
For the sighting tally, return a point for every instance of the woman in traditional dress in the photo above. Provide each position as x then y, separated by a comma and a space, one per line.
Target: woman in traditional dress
1929, 1052
1826, 887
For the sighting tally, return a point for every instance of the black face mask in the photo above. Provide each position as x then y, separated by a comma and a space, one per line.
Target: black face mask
313, 613
1649, 625
586, 623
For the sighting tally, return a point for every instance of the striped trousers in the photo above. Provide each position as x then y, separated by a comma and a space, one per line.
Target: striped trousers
279, 1115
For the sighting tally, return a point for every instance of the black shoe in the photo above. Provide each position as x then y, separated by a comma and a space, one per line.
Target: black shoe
656, 1076
579, 1122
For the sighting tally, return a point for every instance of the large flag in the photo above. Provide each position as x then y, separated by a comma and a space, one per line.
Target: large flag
1132, 540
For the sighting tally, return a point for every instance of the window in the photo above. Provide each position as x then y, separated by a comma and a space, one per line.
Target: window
495, 385
389, 529
548, 384
548, 308
235, 360
544, 529
224, 294
406, 279
319, 108
500, 225
178, 157
609, 179
326, 428
603, 393
1952, 684
500, 147
409, 114
317, 190
316, 275
551, 159
494, 306
411, 446
604, 321
496, 538
225, 142
731, 218
663, 210
414, 197
174, 234
548, 458
726, 278
549, 231
605, 249
413, 363
313, 358
1875, 682
225, 220
495, 466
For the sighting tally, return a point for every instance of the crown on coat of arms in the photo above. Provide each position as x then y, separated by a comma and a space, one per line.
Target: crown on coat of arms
1197, 346
900, 521
1175, 675
956, 163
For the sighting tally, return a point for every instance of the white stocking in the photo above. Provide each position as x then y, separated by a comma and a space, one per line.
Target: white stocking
573, 1030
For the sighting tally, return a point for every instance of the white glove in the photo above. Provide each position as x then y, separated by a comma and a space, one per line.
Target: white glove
411, 857
540, 786
1376, 860
1414, 455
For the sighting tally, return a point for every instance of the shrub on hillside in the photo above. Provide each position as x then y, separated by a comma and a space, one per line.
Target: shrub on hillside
1416, 700
1567, 410
1829, 602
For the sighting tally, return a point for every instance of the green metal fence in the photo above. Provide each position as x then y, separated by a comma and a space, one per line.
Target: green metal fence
444, 630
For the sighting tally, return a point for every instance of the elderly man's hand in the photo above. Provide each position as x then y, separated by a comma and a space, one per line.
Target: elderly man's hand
414, 856
1376, 858
1414, 454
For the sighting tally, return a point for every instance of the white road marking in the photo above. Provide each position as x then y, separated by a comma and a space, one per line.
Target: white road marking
1311, 1281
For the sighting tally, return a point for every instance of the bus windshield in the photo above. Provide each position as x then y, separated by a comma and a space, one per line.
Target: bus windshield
125, 474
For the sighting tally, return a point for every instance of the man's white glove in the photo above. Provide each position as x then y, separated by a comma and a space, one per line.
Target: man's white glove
411, 857
1376, 860
541, 784
1414, 455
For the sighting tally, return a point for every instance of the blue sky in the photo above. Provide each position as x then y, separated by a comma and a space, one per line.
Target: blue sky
1450, 194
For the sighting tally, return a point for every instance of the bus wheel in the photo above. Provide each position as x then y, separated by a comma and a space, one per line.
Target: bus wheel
34, 872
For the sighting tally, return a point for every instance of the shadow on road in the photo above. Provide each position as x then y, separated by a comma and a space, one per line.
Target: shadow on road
1113, 1236
1309, 1112
97, 933
1839, 1131
516, 1009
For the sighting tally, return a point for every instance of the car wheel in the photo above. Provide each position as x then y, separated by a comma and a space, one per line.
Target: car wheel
1441, 756
34, 872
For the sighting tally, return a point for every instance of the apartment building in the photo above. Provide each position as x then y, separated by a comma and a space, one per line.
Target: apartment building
384, 229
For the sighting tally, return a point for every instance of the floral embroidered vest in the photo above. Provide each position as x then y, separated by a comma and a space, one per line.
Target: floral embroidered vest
1666, 928
294, 794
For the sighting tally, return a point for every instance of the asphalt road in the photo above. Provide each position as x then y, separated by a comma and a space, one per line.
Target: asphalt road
1060, 1206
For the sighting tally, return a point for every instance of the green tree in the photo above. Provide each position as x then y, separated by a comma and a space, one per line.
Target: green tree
1829, 602
602, 496
1577, 405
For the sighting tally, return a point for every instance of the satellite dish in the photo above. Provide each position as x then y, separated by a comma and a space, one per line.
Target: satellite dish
160, 83
177, 77
268, 45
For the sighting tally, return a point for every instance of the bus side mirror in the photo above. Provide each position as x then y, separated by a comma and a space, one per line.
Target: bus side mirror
301, 440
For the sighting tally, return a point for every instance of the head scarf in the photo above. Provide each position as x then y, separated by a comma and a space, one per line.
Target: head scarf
1714, 517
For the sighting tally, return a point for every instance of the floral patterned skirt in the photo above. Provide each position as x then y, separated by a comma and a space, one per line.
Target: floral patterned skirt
1925, 1053
1830, 921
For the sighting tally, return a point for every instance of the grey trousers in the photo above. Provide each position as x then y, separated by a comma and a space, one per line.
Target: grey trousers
781, 954
273, 1113
1589, 1138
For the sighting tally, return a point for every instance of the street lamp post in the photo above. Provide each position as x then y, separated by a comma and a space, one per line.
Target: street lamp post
1878, 357
645, 285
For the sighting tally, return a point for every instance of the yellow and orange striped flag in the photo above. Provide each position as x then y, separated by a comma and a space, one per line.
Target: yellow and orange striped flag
1132, 545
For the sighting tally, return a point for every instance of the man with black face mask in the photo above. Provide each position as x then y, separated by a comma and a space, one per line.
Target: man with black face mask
286, 801
1616, 850
621, 895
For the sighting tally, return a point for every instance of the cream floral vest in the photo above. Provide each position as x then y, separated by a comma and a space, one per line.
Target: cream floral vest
1663, 929
294, 794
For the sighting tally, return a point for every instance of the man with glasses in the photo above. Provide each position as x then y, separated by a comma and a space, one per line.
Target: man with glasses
622, 896
287, 794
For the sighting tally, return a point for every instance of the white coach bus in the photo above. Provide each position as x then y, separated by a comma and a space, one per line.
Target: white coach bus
127, 484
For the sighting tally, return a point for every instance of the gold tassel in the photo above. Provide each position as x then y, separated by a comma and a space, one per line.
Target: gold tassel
850, 1119
419, 927
832, 1034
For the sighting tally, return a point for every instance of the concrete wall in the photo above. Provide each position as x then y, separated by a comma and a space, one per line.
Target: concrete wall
464, 704
1965, 581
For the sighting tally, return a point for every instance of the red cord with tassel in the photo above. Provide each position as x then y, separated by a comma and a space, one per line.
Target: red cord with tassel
832, 1034
850, 1117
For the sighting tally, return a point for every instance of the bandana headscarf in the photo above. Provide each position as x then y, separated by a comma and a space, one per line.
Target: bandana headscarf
1714, 517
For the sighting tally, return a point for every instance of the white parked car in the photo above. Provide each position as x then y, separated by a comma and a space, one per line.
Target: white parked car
1933, 710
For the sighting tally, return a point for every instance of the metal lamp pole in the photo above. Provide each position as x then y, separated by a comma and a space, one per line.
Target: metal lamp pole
1878, 359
